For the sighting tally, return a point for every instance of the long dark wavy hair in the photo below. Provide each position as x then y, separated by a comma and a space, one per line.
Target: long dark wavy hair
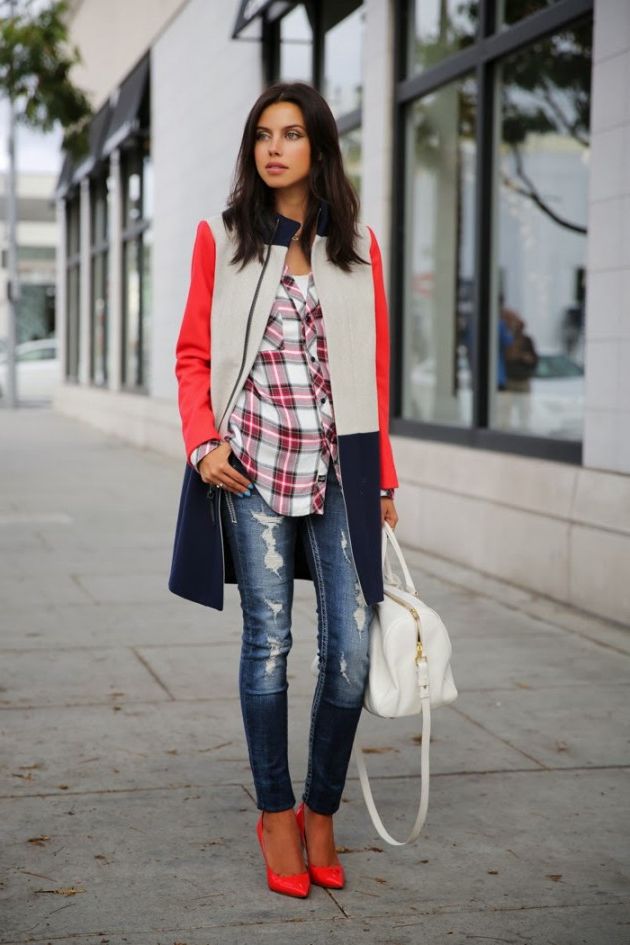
251, 204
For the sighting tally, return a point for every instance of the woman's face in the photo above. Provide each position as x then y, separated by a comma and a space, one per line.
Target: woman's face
281, 140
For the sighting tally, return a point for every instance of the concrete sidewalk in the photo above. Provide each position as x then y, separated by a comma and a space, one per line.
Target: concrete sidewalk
127, 812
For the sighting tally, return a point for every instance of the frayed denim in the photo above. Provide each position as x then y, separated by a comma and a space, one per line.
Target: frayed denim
262, 544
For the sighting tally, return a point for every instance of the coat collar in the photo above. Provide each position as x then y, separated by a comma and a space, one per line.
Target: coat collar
287, 228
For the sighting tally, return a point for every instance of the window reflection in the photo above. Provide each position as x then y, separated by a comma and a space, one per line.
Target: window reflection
350, 144
439, 247
343, 56
296, 46
511, 11
538, 339
138, 191
73, 284
100, 198
132, 366
438, 28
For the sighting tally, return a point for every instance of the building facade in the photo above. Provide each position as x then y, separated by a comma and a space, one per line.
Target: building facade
490, 145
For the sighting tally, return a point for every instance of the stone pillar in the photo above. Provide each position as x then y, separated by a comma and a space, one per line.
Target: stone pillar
607, 401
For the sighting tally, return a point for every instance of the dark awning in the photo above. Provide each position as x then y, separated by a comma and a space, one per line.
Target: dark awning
125, 118
96, 138
248, 11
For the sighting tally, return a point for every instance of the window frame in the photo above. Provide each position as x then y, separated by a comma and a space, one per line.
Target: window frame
349, 121
493, 42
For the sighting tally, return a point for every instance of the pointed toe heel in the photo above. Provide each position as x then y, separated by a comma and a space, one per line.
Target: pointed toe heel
330, 877
296, 884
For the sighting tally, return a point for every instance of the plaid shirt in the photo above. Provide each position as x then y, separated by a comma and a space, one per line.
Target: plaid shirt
282, 426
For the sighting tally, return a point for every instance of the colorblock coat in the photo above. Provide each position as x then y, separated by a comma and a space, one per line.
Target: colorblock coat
224, 320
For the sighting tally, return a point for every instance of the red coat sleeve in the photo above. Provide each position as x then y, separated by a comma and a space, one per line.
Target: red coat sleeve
389, 479
192, 352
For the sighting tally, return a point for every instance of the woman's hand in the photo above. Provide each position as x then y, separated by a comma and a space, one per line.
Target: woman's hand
215, 470
388, 511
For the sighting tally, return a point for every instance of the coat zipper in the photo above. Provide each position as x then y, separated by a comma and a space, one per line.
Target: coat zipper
416, 616
238, 378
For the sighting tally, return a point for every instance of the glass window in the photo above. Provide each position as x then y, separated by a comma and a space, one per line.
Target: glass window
99, 279
73, 229
438, 28
132, 366
138, 207
537, 357
511, 11
99, 318
343, 57
73, 279
147, 306
72, 324
439, 255
99, 206
296, 46
350, 144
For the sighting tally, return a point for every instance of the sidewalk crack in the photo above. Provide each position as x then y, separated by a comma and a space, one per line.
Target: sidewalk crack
152, 672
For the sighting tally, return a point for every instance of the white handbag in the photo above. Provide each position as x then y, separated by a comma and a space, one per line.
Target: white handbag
410, 672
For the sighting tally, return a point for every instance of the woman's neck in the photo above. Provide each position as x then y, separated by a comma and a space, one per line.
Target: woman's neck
292, 205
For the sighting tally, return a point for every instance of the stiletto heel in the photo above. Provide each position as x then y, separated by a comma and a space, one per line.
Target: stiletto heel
330, 877
296, 884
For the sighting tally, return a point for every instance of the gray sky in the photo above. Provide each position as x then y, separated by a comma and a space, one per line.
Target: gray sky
36, 153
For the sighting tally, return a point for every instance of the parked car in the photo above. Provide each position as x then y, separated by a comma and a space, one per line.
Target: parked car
37, 369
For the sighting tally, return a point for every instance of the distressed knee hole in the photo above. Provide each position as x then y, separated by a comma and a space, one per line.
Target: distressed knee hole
344, 546
343, 668
275, 650
273, 558
360, 612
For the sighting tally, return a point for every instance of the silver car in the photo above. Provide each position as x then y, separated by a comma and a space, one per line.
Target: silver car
37, 370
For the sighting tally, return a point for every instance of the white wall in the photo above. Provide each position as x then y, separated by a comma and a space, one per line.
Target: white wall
607, 416
196, 131
112, 35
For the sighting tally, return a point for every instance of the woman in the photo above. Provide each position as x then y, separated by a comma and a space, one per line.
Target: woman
283, 364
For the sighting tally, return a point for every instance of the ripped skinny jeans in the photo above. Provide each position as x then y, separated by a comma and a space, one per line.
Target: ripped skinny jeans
262, 544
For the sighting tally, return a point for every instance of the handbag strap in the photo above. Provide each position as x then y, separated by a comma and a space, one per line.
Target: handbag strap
389, 536
423, 683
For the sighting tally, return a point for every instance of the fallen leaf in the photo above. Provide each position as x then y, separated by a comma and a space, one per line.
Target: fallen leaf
379, 751
554, 876
493, 872
38, 840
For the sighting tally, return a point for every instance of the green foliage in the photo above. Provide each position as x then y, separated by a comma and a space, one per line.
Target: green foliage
36, 59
